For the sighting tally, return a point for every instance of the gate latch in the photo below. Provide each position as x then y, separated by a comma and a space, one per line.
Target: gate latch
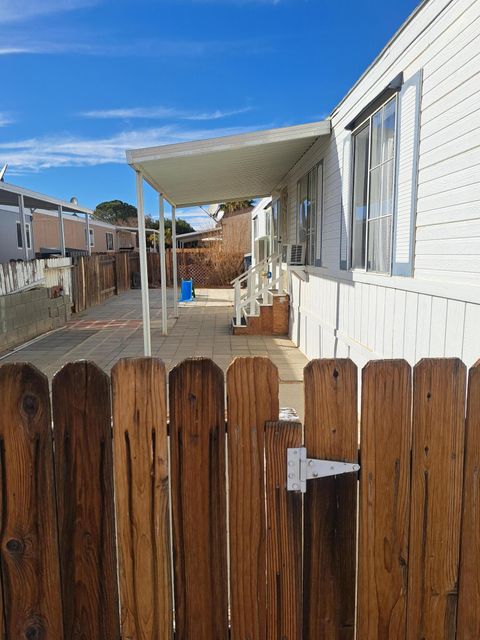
300, 469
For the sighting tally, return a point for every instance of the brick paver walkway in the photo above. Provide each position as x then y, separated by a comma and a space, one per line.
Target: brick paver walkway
113, 330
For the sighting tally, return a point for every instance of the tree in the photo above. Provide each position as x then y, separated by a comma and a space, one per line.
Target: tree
233, 206
182, 226
115, 211
122, 213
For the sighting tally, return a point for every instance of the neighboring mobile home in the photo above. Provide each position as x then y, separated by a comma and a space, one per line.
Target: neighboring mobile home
33, 223
18, 208
14, 244
104, 237
382, 200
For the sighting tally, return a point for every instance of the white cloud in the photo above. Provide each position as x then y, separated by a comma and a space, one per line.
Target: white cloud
197, 217
22, 10
5, 119
36, 154
230, 2
130, 113
52, 42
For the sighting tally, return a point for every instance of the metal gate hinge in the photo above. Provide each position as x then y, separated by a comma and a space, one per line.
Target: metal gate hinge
300, 469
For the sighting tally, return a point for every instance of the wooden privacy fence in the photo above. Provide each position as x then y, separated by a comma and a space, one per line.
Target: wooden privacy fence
94, 279
291, 572
99, 276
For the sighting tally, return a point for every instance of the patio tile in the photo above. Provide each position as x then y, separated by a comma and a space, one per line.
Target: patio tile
113, 330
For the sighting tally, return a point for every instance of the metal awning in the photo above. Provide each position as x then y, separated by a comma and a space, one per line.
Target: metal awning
250, 165
236, 167
32, 200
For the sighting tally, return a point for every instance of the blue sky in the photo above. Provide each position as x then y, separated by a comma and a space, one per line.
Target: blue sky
82, 80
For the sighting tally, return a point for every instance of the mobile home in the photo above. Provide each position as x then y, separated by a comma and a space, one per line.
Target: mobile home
375, 210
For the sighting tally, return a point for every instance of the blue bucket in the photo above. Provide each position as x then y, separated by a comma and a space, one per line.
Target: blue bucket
186, 291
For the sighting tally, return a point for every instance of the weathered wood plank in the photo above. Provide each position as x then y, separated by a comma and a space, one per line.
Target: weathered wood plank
468, 623
197, 430
436, 503
32, 602
330, 503
384, 500
85, 506
284, 535
252, 398
142, 502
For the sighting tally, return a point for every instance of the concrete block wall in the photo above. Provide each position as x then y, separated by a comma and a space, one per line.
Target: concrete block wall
27, 314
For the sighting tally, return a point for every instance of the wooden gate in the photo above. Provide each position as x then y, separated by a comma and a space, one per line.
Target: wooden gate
86, 504
94, 280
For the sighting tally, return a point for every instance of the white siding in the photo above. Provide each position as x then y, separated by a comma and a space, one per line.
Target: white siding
437, 312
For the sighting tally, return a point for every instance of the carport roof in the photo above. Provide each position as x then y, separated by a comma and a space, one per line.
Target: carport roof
237, 167
32, 200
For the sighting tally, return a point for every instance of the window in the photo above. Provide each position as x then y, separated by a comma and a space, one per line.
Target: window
276, 216
373, 190
309, 205
109, 240
255, 227
92, 237
19, 235
28, 234
268, 221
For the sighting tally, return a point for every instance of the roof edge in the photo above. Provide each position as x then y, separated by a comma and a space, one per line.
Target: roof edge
226, 143
67, 206
385, 49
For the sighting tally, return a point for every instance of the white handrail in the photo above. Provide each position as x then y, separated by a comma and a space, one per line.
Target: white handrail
258, 286
250, 270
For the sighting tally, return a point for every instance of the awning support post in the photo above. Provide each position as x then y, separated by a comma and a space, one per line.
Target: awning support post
147, 345
174, 261
87, 233
23, 226
61, 230
163, 271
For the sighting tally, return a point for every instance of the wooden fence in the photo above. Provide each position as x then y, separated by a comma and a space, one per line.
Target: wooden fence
50, 272
94, 280
99, 276
66, 535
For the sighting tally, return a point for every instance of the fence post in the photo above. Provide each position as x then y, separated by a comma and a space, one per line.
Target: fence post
115, 274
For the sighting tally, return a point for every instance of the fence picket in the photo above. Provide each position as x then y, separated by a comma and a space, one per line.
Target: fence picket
437, 476
284, 535
141, 492
32, 603
468, 624
84, 480
252, 397
197, 430
330, 503
384, 500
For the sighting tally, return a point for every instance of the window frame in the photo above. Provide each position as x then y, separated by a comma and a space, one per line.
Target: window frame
312, 233
19, 235
28, 233
367, 122
91, 233
255, 227
107, 234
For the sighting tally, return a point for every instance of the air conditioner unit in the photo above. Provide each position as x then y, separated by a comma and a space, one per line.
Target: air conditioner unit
294, 254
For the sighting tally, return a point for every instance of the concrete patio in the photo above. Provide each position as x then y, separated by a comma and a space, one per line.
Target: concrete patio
113, 330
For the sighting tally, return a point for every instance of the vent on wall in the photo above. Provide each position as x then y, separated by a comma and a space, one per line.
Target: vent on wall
294, 254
